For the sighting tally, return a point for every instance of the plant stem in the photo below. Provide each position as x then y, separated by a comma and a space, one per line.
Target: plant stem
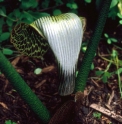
119, 81
118, 74
23, 89
92, 47
108, 66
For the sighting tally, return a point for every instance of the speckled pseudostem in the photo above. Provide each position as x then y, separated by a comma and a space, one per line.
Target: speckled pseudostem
92, 47
23, 89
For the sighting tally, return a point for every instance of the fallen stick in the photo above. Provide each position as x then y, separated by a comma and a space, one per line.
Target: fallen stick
107, 112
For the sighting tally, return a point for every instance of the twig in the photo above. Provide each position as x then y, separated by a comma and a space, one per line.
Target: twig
95, 82
111, 97
107, 112
109, 101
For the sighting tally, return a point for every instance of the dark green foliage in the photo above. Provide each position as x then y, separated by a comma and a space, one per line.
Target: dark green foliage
25, 4
24, 13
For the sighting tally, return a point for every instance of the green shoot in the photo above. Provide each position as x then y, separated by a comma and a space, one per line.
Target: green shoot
97, 115
105, 74
9, 122
110, 40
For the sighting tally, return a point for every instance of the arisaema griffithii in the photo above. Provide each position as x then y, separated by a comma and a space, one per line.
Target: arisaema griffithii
63, 34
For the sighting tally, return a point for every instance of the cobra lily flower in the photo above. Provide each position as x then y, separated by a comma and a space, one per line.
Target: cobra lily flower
64, 34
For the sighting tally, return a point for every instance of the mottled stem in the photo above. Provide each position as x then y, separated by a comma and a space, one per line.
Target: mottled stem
23, 89
92, 47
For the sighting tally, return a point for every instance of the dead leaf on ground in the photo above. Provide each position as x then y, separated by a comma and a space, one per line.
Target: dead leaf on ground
16, 60
48, 69
3, 105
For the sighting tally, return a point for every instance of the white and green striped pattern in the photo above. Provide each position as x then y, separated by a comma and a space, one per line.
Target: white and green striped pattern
64, 34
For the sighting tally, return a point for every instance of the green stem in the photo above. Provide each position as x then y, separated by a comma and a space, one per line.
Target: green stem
118, 74
23, 89
92, 47
108, 66
119, 81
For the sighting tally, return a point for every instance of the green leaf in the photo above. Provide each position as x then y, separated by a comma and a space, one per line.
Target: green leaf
76, 74
5, 36
74, 6
105, 76
84, 48
45, 4
99, 73
28, 4
10, 29
37, 71
1, 24
120, 22
9, 122
28, 21
17, 12
69, 5
97, 115
57, 12
9, 22
120, 62
3, 11
12, 17
113, 12
114, 53
92, 66
109, 41
88, 1
7, 51
1, 31
58, 2
38, 14
119, 70
26, 17
119, 15
106, 35
113, 39
2, 21
113, 3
